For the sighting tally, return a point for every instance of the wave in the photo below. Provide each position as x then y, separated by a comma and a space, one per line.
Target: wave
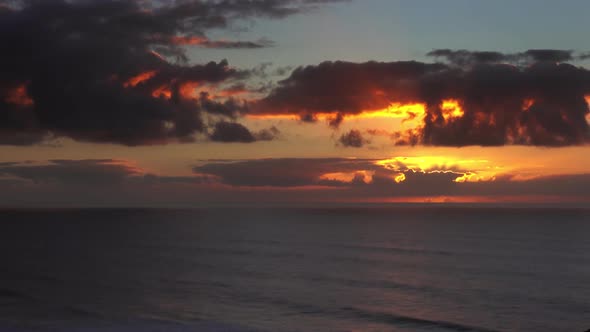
409, 321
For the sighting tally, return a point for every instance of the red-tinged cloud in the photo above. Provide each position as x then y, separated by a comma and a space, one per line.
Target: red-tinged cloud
112, 71
528, 98
221, 44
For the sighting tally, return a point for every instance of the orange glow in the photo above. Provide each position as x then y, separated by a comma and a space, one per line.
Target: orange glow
135, 80
19, 96
476, 177
451, 109
412, 114
185, 40
400, 177
588, 114
188, 89
477, 199
395, 110
162, 92
469, 170
527, 103
349, 177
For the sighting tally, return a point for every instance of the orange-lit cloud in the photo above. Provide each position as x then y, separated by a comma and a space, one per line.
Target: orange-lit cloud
162, 92
451, 108
527, 103
399, 177
348, 177
394, 110
221, 43
142, 77
455, 104
465, 170
188, 40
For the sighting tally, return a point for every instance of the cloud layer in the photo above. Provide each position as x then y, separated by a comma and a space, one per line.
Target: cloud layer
526, 98
122, 183
99, 70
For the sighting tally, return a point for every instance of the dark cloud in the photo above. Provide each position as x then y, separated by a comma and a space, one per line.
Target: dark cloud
230, 132
268, 134
346, 87
538, 103
95, 70
469, 58
354, 138
110, 182
88, 172
336, 120
549, 55
465, 57
289, 172
365, 179
262, 43
81, 172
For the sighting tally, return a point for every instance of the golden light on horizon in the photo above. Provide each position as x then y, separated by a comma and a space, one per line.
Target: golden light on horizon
467, 170
394, 110
410, 113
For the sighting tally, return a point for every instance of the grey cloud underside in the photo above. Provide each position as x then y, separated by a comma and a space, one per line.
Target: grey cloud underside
232, 132
491, 94
115, 183
70, 60
301, 172
466, 57
87, 172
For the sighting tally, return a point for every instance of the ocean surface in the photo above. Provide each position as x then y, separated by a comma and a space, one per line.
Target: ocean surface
407, 268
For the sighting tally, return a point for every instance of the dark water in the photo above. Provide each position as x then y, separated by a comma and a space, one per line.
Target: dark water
339, 269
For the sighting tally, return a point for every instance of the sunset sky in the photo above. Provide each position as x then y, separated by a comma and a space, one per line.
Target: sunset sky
189, 103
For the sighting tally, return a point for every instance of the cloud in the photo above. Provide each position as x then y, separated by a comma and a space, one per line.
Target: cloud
80, 172
222, 44
289, 172
233, 132
400, 177
466, 57
99, 70
540, 102
112, 182
353, 138
90, 173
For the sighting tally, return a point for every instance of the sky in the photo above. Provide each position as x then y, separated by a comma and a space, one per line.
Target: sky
193, 103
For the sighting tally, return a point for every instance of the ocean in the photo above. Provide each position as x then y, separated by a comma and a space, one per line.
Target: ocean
361, 268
